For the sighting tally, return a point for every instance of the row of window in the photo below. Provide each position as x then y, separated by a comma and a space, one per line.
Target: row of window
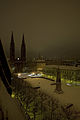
67, 74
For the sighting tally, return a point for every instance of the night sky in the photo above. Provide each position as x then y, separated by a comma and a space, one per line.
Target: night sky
51, 28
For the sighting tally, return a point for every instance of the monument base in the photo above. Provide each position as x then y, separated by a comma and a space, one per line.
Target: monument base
59, 91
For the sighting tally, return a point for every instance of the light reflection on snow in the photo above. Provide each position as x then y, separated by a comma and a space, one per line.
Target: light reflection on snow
25, 75
68, 84
73, 84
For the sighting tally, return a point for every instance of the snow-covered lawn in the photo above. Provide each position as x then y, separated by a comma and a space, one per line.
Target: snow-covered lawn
70, 95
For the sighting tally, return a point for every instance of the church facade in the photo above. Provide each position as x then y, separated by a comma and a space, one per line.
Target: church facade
17, 64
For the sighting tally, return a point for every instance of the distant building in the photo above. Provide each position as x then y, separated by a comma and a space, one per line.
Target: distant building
71, 73
68, 62
18, 64
40, 64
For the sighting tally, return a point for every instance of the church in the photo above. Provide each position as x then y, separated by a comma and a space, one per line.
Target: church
17, 64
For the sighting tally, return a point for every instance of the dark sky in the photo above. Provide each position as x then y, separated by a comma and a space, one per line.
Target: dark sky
51, 28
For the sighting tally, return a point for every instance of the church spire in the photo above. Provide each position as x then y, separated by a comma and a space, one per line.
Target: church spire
12, 48
23, 50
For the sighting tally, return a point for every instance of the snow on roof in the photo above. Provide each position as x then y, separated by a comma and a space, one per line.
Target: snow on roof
62, 67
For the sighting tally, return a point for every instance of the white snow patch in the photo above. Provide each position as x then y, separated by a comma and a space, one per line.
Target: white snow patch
70, 95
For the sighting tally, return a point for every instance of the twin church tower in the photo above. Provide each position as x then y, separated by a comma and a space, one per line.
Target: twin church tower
12, 50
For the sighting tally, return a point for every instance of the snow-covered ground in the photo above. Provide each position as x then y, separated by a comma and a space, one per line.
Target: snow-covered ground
70, 95
9, 104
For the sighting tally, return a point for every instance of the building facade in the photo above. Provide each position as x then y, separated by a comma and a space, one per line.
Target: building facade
18, 64
71, 73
